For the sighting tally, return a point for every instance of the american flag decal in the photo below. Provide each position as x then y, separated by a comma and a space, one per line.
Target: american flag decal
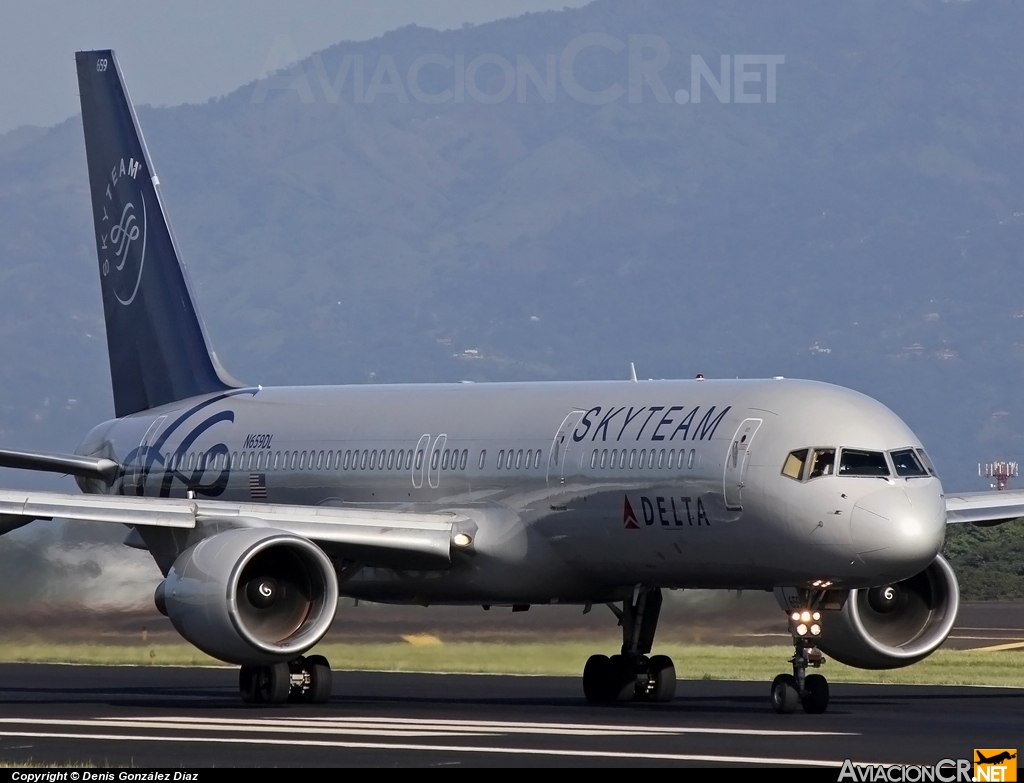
258, 486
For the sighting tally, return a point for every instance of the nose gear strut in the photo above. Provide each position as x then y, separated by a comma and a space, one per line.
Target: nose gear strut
806, 627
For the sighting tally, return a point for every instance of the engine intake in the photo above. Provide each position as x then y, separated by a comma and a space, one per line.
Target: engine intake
251, 596
894, 625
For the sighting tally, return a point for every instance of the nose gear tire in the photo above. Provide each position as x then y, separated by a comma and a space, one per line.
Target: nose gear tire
815, 696
785, 694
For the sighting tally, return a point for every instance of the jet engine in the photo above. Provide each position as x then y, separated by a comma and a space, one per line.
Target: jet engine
252, 596
894, 625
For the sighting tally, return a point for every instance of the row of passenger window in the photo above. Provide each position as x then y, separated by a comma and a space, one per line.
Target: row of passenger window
629, 458
512, 458
366, 459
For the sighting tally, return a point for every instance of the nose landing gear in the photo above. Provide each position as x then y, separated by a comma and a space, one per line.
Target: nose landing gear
632, 675
808, 690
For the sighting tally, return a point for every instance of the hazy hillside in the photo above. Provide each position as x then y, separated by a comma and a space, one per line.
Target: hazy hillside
866, 228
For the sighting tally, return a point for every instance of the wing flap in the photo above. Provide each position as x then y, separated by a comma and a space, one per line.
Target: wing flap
394, 538
374, 536
984, 508
99, 508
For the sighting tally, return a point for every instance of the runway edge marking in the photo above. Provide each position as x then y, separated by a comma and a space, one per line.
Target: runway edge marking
437, 748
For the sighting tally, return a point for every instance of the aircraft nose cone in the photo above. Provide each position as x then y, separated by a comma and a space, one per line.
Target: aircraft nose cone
899, 530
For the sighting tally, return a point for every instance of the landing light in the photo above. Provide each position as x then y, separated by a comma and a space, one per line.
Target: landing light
801, 630
806, 617
795, 617
462, 539
816, 616
815, 630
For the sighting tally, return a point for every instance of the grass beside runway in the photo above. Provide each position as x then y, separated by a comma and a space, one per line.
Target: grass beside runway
423, 653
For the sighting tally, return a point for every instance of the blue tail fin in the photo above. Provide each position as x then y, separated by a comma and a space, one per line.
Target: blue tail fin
155, 338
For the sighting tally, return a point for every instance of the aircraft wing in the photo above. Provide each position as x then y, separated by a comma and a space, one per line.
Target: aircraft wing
370, 536
985, 508
70, 464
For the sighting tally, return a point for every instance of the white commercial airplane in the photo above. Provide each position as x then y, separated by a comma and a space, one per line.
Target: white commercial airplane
261, 506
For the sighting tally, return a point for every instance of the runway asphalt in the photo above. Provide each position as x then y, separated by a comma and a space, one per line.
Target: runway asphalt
192, 717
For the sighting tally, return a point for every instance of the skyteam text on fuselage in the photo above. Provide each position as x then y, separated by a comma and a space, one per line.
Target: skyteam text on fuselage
261, 506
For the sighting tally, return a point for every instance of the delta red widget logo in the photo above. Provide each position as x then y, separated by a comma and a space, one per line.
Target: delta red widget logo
628, 517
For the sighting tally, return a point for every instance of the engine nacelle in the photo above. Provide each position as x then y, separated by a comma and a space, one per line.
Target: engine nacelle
895, 625
251, 596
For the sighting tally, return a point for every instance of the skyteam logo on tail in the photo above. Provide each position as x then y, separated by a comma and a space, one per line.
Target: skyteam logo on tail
123, 230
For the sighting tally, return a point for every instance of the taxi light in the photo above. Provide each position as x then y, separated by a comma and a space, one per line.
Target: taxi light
801, 630
816, 616
805, 616
462, 539
795, 617
815, 630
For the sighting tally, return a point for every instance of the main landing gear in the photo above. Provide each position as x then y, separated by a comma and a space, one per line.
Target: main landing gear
632, 675
800, 688
303, 680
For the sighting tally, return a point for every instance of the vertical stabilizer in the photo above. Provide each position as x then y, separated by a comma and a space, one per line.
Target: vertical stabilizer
155, 338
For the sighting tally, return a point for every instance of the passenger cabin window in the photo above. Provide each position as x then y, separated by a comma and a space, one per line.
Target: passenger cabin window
483, 458
856, 462
907, 464
794, 467
823, 463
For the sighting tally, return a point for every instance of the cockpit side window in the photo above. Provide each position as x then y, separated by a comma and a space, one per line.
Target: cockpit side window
823, 463
794, 467
927, 462
858, 462
907, 464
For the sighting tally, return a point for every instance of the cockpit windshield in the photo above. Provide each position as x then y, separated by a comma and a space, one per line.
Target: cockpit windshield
858, 462
907, 463
806, 464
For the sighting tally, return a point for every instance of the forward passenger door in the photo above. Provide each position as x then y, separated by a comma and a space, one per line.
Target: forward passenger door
736, 462
562, 448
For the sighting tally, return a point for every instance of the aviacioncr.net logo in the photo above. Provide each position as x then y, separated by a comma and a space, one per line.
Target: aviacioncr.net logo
121, 230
